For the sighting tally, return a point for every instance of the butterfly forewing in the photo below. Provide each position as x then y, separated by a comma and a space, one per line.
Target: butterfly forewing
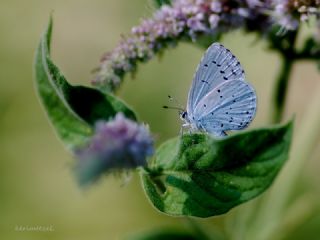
218, 65
230, 106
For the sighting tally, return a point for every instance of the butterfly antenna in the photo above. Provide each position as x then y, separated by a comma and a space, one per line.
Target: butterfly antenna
177, 102
170, 107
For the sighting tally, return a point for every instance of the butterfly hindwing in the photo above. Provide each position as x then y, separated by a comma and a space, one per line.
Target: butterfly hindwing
218, 65
230, 106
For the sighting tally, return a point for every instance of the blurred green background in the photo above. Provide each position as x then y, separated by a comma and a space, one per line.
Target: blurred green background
37, 187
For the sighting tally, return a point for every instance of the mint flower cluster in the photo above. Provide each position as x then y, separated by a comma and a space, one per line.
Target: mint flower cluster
193, 19
116, 145
289, 13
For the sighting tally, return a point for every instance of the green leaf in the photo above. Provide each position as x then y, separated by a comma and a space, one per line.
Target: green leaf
160, 3
197, 175
72, 110
92, 105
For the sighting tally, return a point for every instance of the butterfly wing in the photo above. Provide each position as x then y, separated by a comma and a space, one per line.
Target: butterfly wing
218, 65
230, 106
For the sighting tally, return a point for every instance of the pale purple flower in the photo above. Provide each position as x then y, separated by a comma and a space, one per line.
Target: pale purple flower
288, 22
214, 20
193, 19
289, 13
118, 145
244, 12
216, 6
254, 3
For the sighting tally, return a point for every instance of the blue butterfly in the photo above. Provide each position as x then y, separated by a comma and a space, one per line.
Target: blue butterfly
219, 99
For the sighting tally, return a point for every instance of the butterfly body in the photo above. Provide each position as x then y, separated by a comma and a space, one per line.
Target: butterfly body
219, 99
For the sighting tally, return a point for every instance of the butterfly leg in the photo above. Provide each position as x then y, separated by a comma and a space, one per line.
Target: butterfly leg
182, 129
223, 133
184, 126
220, 134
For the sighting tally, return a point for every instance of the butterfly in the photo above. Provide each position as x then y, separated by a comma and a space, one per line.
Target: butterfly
219, 99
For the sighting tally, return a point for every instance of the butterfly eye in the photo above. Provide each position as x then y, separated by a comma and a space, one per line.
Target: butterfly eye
184, 115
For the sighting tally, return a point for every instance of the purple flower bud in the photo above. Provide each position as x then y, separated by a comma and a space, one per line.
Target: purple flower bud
304, 17
254, 3
118, 145
288, 22
213, 20
216, 6
280, 8
243, 12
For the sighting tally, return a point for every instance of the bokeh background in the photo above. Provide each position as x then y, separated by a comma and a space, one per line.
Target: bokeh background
37, 186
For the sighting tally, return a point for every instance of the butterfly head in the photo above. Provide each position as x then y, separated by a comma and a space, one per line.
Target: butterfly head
183, 115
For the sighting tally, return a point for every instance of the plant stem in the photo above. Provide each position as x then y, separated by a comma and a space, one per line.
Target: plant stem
269, 217
268, 213
285, 45
288, 57
281, 88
